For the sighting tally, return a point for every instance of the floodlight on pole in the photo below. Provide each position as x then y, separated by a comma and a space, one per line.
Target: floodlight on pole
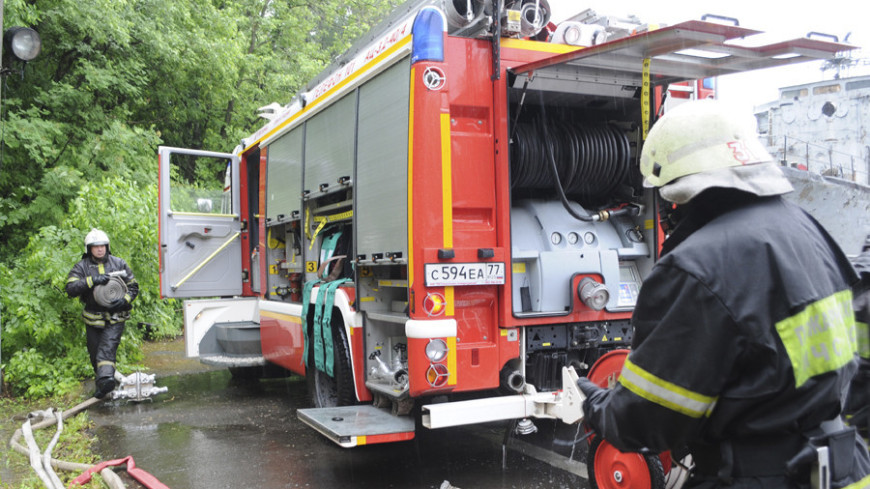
23, 42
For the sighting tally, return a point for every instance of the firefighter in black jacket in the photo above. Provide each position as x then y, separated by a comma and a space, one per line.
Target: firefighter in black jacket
744, 336
858, 404
104, 322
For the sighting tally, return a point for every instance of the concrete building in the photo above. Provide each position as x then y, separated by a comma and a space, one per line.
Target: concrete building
821, 127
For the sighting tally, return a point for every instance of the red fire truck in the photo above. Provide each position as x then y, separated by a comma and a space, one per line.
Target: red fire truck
444, 219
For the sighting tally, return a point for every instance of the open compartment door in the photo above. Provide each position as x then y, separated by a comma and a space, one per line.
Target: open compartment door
200, 228
690, 50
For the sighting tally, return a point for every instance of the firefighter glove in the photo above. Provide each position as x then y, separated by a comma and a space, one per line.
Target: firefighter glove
118, 305
101, 279
594, 405
588, 387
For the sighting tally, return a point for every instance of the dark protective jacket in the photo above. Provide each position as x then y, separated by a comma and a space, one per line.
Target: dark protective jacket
80, 284
858, 404
743, 331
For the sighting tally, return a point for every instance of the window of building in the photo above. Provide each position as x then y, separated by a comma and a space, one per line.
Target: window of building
826, 89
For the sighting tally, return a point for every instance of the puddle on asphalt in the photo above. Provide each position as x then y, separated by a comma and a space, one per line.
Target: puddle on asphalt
211, 431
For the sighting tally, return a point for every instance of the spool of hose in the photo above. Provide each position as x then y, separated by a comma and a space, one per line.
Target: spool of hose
113, 290
592, 160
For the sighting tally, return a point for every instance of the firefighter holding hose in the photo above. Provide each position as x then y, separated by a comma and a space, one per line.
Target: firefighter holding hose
106, 286
744, 335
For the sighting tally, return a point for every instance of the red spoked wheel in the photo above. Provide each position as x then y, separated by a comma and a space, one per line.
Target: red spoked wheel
610, 468
613, 469
606, 369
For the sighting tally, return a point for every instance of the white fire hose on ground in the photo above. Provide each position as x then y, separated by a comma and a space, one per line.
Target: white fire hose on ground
45, 465
135, 387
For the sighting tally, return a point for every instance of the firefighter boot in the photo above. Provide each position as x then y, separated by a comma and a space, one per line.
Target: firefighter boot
105, 379
105, 385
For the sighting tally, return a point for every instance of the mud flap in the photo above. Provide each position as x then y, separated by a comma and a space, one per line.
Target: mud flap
324, 356
306, 303
326, 325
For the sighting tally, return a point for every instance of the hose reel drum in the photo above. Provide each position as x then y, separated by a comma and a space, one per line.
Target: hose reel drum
113, 290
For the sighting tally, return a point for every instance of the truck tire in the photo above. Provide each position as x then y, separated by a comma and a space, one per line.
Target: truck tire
326, 391
246, 373
268, 371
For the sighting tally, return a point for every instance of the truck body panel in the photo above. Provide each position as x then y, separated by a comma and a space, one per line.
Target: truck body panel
446, 215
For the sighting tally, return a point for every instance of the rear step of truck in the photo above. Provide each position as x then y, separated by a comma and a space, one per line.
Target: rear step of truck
232, 344
351, 426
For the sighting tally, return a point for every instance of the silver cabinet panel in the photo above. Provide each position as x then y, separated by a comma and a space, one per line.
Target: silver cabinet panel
284, 176
329, 141
382, 163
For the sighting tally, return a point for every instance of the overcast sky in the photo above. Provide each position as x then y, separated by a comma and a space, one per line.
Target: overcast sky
779, 20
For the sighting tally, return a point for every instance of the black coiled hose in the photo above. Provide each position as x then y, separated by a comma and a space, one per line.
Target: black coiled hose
591, 160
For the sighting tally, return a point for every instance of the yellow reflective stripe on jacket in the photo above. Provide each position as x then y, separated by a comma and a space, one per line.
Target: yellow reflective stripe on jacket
821, 338
862, 331
861, 484
664, 393
93, 319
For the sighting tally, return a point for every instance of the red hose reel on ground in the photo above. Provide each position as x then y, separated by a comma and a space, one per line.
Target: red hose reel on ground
610, 468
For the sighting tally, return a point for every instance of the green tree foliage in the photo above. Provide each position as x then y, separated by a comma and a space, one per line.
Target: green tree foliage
188, 74
43, 334
80, 130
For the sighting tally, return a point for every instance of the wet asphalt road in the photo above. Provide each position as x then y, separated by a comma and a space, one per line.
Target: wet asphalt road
211, 431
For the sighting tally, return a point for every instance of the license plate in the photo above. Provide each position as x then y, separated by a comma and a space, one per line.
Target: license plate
445, 275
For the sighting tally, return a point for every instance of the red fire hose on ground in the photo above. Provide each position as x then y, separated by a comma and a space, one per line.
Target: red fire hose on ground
140, 475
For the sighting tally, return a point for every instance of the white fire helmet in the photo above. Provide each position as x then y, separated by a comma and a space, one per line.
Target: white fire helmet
705, 144
96, 238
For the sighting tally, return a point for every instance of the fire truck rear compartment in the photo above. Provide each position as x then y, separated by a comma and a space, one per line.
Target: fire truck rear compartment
581, 138
549, 348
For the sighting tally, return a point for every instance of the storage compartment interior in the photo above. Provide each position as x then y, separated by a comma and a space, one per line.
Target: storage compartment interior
578, 206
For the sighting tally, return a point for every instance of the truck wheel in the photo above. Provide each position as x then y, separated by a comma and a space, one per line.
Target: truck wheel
610, 468
246, 373
326, 391
268, 371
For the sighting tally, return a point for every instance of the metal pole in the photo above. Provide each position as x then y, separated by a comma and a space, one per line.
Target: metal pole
785, 150
1, 33
808, 156
852, 164
1, 122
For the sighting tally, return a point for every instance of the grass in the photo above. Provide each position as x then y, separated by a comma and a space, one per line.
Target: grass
164, 357
73, 446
